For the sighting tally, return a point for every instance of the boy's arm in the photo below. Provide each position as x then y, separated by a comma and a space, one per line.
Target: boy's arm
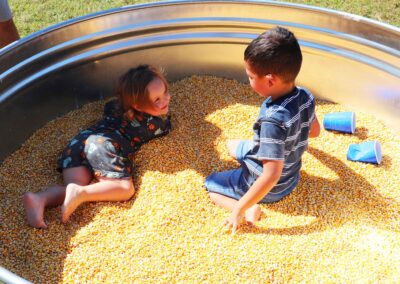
315, 129
272, 171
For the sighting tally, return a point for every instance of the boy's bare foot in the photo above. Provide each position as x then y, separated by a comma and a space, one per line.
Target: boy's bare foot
253, 214
71, 201
34, 208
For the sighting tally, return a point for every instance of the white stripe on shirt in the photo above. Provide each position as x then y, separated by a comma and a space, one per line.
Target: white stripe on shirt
300, 144
297, 116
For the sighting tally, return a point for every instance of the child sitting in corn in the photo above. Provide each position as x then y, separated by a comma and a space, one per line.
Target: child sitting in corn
270, 164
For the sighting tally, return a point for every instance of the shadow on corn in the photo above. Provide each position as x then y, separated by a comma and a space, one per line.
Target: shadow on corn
40, 255
349, 198
202, 108
361, 133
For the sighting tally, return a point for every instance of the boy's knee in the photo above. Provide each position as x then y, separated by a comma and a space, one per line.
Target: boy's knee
213, 196
232, 147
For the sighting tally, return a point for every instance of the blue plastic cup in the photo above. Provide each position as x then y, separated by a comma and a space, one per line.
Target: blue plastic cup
340, 121
367, 152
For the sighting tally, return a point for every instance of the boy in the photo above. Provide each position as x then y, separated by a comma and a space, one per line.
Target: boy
270, 164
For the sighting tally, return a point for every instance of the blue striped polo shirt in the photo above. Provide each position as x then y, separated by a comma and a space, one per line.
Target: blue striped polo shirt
281, 133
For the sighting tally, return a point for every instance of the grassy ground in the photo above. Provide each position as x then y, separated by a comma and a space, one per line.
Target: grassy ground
33, 15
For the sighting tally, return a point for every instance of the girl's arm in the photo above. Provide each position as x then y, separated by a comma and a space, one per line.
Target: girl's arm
158, 126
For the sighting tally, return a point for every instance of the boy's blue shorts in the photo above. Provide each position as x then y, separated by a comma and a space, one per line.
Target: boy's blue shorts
235, 183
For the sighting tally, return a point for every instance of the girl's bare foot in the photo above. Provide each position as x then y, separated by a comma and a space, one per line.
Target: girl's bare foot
71, 201
34, 208
253, 214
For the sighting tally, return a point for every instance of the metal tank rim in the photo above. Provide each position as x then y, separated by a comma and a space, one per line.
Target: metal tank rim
38, 73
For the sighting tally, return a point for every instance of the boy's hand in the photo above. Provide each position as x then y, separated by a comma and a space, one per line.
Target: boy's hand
233, 221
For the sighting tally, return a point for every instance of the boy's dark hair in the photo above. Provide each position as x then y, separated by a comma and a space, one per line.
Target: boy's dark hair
276, 52
132, 88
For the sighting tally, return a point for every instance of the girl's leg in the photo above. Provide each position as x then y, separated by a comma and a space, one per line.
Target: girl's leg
252, 215
35, 203
105, 189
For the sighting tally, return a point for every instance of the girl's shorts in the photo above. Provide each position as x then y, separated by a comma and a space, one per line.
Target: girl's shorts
235, 183
104, 153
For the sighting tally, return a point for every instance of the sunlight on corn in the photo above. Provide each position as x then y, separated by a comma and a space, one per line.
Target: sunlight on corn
340, 224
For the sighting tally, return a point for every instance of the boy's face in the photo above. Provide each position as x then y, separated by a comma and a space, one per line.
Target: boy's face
260, 84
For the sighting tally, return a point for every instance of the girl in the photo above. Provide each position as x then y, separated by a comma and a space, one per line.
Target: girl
104, 151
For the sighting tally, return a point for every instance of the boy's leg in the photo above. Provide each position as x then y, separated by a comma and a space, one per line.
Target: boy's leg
252, 215
225, 188
35, 203
106, 189
232, 147
238, 149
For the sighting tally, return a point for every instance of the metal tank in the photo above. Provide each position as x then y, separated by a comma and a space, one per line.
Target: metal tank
347, 59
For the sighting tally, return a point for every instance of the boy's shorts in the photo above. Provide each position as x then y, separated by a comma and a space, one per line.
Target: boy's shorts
104, 153
235, 183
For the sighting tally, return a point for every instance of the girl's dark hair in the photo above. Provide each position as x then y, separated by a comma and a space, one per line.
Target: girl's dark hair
276, 52
132, 89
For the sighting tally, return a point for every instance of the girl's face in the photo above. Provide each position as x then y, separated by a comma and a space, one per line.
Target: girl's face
159, 98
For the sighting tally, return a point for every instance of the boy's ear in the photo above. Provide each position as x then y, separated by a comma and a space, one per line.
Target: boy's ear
271, 79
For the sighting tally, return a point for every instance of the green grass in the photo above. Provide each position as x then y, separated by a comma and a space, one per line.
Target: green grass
33, 15
387, 11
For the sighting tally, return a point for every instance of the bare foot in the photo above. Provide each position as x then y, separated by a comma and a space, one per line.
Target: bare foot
34, 208
71, 201
253, 214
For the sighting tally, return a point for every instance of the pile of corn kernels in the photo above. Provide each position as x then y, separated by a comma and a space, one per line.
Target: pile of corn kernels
340, 224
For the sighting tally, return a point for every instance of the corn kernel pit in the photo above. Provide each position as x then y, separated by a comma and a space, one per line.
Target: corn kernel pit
340, 224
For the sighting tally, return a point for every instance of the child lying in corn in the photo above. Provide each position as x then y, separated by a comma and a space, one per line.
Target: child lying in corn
105, 150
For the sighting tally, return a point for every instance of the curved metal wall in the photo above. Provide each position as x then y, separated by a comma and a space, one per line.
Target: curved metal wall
347, 59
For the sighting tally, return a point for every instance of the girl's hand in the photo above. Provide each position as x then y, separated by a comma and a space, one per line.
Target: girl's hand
233, 221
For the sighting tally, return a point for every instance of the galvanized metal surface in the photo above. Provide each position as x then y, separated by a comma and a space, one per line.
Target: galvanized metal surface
347, 59
10, 278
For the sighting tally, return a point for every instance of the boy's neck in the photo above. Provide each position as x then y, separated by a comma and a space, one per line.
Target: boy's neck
283, 90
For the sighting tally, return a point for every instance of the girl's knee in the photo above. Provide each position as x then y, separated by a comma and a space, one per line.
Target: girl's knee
128, 189
130, 192
78, 175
